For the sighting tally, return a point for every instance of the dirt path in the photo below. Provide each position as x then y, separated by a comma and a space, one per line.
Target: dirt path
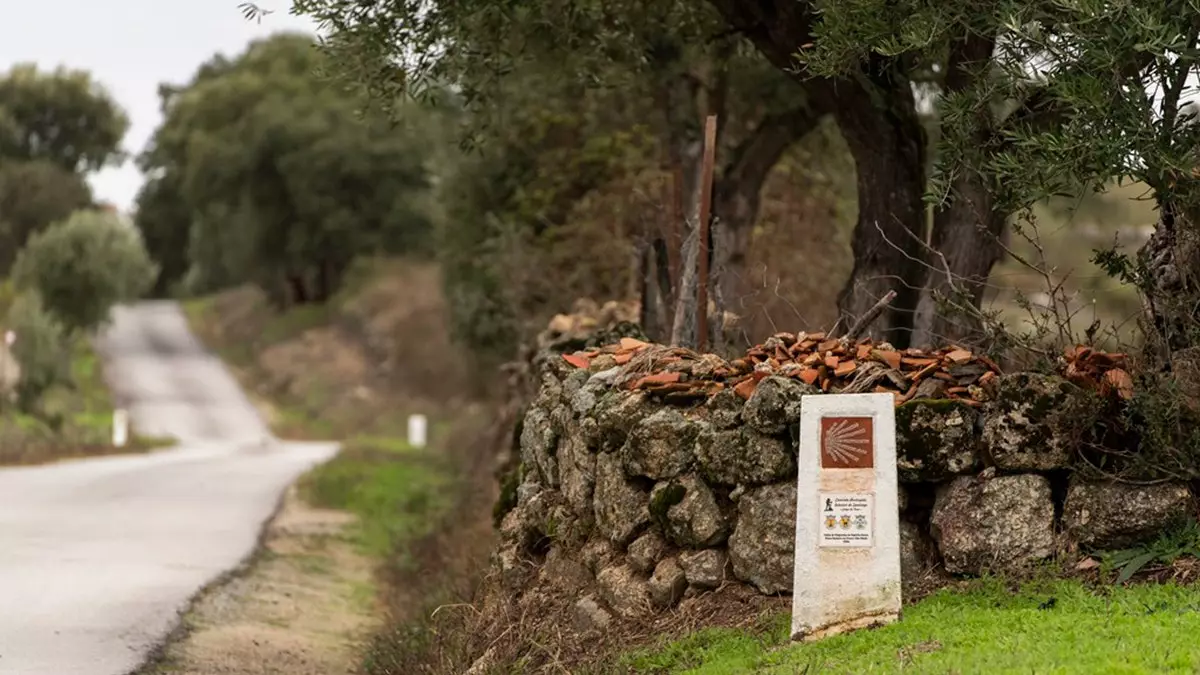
303, 607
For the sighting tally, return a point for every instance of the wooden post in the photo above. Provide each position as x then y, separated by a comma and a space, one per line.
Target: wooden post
706, 180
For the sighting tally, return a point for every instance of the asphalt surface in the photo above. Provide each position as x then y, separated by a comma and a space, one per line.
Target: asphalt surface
98, 557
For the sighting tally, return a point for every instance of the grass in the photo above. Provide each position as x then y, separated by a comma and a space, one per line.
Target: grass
1060, 627
396, 491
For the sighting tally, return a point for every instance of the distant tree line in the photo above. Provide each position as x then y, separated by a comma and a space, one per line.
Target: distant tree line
265, 172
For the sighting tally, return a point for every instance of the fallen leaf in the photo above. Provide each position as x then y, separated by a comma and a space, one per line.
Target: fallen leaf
1087, 564
959, 356
577, 360
745, 388
659, 378
845, 368
889, 358
631, 343
1121, 381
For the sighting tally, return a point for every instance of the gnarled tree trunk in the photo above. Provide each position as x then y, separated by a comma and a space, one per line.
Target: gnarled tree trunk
1170, 261
877, 117
888, 145
965, 241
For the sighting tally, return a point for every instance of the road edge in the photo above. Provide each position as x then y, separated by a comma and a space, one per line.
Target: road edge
157, 654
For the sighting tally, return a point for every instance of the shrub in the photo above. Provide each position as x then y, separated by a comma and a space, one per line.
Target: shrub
42, 349
84, 266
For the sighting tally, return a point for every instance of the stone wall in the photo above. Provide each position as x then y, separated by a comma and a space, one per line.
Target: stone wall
644, 502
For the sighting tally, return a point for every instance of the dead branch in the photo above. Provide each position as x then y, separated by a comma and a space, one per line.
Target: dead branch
865, 320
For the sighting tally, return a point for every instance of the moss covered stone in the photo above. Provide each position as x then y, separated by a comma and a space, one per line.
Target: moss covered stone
616, 413
687, 511
935, 439
660, 446
775, 404
743, 456
1035, 422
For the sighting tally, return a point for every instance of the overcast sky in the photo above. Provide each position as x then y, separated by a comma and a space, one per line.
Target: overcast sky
131, 46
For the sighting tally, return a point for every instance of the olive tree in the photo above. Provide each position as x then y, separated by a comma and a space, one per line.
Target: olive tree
84, 266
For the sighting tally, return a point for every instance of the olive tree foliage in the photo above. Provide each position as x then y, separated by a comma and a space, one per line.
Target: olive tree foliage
34, 194
82, 267
265, 172
55, 127
1061, 97
61, 116
657, 67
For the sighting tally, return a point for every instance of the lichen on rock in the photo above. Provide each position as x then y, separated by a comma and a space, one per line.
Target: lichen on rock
616, 413
660, 446
775, 404
626, 593
724, 410
620, 506
667, 584
645, 552
935, 439
577, 471
743, 457
1115, 515
539, 442
762, 545
687, 511
705, 569
997, 524
1034, 423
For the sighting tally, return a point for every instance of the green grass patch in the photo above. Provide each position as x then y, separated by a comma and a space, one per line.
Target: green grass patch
396, 492
1046, 627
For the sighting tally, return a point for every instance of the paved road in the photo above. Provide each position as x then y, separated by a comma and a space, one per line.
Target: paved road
97, 557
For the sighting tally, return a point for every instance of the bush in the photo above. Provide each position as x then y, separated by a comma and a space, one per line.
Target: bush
84, 266
42, 349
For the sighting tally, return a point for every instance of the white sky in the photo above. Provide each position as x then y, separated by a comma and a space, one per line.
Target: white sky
131, 46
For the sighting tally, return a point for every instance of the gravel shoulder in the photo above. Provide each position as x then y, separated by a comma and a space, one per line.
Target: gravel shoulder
304, 605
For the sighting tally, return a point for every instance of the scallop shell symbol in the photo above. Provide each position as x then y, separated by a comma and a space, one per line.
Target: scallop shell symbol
846, 441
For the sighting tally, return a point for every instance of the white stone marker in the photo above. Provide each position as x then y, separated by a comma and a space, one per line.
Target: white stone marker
417, 427
120, 429
847, 573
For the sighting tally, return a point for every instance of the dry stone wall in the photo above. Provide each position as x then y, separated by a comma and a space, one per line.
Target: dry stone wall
645, 502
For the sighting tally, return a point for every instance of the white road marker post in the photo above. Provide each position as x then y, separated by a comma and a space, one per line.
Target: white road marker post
847, 566
120, 428
417, 430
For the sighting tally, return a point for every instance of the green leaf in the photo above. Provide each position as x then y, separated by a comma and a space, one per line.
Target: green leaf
1133, 566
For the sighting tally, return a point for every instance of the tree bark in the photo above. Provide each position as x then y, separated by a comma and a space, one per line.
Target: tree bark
965, 242
738, 192
965, 246
1170, 264
887, 142
876, 115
